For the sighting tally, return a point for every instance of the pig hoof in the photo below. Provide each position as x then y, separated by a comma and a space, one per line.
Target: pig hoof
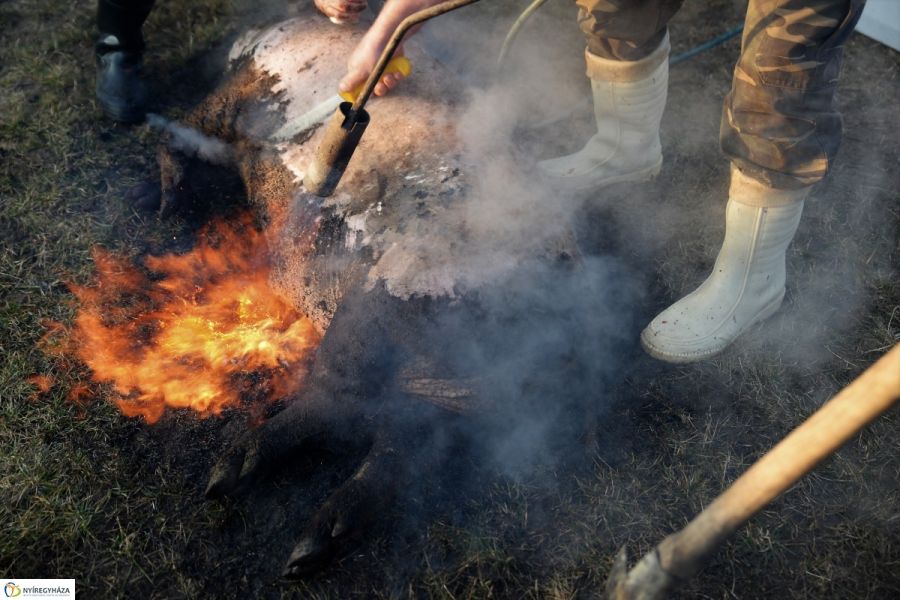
239, 466
245, 461
144, 197
348, 512
340, 522
296, 426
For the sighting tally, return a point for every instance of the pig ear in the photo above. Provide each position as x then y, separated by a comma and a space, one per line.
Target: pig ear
176, 200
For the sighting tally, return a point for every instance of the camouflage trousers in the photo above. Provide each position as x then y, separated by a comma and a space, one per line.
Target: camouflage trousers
780, 122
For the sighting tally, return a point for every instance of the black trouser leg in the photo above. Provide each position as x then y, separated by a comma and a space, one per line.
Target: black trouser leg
123, 19
120, 90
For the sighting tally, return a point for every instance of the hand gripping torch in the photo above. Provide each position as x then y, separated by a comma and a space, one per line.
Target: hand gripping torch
349, 121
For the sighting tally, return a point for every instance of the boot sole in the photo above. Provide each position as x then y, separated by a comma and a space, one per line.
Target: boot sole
639, 176
767, 311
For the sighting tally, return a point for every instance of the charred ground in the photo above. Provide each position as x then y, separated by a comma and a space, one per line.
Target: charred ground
118, 505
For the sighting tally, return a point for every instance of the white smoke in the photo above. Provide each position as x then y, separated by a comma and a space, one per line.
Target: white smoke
192, 142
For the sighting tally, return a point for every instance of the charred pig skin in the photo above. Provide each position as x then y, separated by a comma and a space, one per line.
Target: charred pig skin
434, 321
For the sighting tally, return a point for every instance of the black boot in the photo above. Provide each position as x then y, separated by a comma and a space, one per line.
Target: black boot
120, 49
120, 89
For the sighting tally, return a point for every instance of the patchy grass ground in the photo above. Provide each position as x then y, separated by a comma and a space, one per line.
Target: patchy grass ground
86, 493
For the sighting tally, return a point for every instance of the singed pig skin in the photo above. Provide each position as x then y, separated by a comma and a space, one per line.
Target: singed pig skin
406, 169
381, 267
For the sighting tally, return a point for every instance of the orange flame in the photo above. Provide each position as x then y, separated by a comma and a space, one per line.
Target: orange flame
43, 383
202, 330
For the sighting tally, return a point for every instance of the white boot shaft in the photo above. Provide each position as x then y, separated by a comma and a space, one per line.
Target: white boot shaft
629, 100
747, 281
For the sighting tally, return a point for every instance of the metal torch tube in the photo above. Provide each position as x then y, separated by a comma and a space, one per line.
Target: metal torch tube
342, 135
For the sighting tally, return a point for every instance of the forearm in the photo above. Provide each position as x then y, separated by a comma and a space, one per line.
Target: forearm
392, 15
366, 54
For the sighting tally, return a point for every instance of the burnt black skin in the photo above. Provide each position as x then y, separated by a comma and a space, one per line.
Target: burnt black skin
524, 344
536, 345
347, 400
534, 348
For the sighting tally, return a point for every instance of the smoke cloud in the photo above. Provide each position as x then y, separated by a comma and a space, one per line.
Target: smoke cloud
192, 142
541, 327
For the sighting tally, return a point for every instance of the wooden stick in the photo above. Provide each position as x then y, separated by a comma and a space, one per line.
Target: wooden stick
681, 554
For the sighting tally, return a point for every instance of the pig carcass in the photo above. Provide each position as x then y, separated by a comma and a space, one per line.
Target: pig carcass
445, 282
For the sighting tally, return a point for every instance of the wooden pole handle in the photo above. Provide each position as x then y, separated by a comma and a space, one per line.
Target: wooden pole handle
680, 555
864, 400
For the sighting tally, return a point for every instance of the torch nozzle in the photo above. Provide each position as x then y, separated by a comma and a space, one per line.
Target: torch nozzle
342, 135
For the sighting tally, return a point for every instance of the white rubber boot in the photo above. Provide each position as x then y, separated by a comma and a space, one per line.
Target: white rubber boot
747, 282
629, 99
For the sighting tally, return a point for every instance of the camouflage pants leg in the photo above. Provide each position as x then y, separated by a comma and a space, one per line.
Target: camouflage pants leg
625, 29
780, 122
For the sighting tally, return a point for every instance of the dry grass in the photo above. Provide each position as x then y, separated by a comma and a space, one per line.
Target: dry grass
86, 493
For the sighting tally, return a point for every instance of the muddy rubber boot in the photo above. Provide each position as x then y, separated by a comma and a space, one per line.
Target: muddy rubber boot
747, 282
120, 89
629, 99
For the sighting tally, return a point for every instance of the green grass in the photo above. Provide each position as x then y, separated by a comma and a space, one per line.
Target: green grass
87, 493
70, 504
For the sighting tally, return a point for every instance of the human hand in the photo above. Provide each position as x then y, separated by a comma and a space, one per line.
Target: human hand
369, 49
361, 64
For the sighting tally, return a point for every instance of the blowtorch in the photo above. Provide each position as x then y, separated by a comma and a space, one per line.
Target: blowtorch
349, 121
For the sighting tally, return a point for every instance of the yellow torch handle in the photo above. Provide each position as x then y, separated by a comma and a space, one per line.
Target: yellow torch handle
398, 64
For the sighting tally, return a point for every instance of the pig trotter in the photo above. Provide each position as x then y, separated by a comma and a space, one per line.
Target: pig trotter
347, 513
362, 499
257, 450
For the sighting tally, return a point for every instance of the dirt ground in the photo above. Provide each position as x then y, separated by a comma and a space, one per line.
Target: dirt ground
117, 504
